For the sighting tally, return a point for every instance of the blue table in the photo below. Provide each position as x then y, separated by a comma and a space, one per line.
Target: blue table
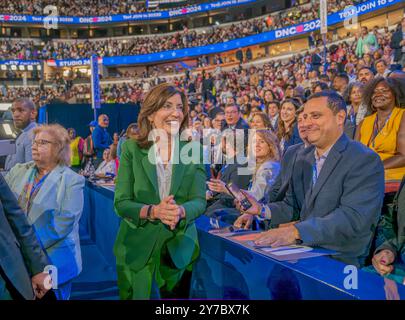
99, 222
228, 270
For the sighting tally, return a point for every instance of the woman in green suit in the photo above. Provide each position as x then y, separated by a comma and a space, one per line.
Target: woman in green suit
159, 195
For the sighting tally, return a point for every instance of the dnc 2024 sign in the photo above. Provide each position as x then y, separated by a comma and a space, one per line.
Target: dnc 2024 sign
335, 18
164, 14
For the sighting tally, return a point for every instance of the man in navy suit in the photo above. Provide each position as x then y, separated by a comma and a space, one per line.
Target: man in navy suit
22, 260
336, 188
233, 118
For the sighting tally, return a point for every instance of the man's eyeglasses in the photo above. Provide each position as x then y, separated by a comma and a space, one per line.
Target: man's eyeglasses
41, 142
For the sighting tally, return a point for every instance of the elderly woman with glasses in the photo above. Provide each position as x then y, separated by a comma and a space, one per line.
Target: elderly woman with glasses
51, 195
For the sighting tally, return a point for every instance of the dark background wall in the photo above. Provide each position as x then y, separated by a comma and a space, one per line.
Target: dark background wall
78, 116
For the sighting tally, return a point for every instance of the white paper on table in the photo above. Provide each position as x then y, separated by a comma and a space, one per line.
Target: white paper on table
282, 251
269, 248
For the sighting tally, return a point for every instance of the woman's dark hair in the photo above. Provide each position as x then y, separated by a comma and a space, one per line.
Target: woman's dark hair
275, 97
369, 90
154, 101
282, 130
322, 85
349, 89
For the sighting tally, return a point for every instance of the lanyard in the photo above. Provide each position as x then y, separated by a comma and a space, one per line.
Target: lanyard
36, 186
352, 116
376, 131
31, 189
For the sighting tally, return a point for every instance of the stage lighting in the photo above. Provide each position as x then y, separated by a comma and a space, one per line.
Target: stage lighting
30, 68
3, 67
21, 68
39, 67
13, 67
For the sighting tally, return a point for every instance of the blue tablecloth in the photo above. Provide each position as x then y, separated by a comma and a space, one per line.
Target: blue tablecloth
99, 221
228, 270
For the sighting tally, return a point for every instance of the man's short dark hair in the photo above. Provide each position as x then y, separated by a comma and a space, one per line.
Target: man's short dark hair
233, 105
343, 76
368, 68
276, 102
218, 113
335, 102
322, 85
332, 72
27, 103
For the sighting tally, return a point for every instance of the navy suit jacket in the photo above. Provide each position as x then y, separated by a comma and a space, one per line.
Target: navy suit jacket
342, 210
277, 191
294, 139
230, 174
21, 255
241, 124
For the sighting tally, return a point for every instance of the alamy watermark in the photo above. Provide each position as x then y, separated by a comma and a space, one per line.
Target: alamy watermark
226, 147
51, 20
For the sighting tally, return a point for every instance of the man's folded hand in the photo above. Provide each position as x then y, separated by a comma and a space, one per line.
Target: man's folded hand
41, 283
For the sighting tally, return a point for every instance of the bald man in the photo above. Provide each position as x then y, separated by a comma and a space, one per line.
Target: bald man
101, 138
24, 115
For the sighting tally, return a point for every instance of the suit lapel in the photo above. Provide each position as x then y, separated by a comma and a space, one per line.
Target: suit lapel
331, 162
307, 162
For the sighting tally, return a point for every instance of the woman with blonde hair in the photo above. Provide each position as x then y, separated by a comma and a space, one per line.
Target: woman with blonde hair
265, 153
51, 195
260, 120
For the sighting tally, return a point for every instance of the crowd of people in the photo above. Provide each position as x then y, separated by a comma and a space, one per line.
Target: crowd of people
78, 49
76, 7
110, 7
300, 73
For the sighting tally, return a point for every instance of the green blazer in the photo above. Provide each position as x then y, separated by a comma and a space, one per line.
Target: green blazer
137, 185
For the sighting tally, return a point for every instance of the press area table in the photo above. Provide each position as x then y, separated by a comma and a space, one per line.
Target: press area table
229, 270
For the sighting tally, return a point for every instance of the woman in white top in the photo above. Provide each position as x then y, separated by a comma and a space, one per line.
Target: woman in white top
107, 167
265, 153
267, 157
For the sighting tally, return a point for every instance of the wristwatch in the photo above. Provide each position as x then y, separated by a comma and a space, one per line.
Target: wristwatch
149, 213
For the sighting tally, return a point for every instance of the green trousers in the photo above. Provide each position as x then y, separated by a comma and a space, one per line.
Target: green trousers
159, 273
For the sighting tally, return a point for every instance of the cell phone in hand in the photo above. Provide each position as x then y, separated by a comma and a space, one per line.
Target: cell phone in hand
238, 195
